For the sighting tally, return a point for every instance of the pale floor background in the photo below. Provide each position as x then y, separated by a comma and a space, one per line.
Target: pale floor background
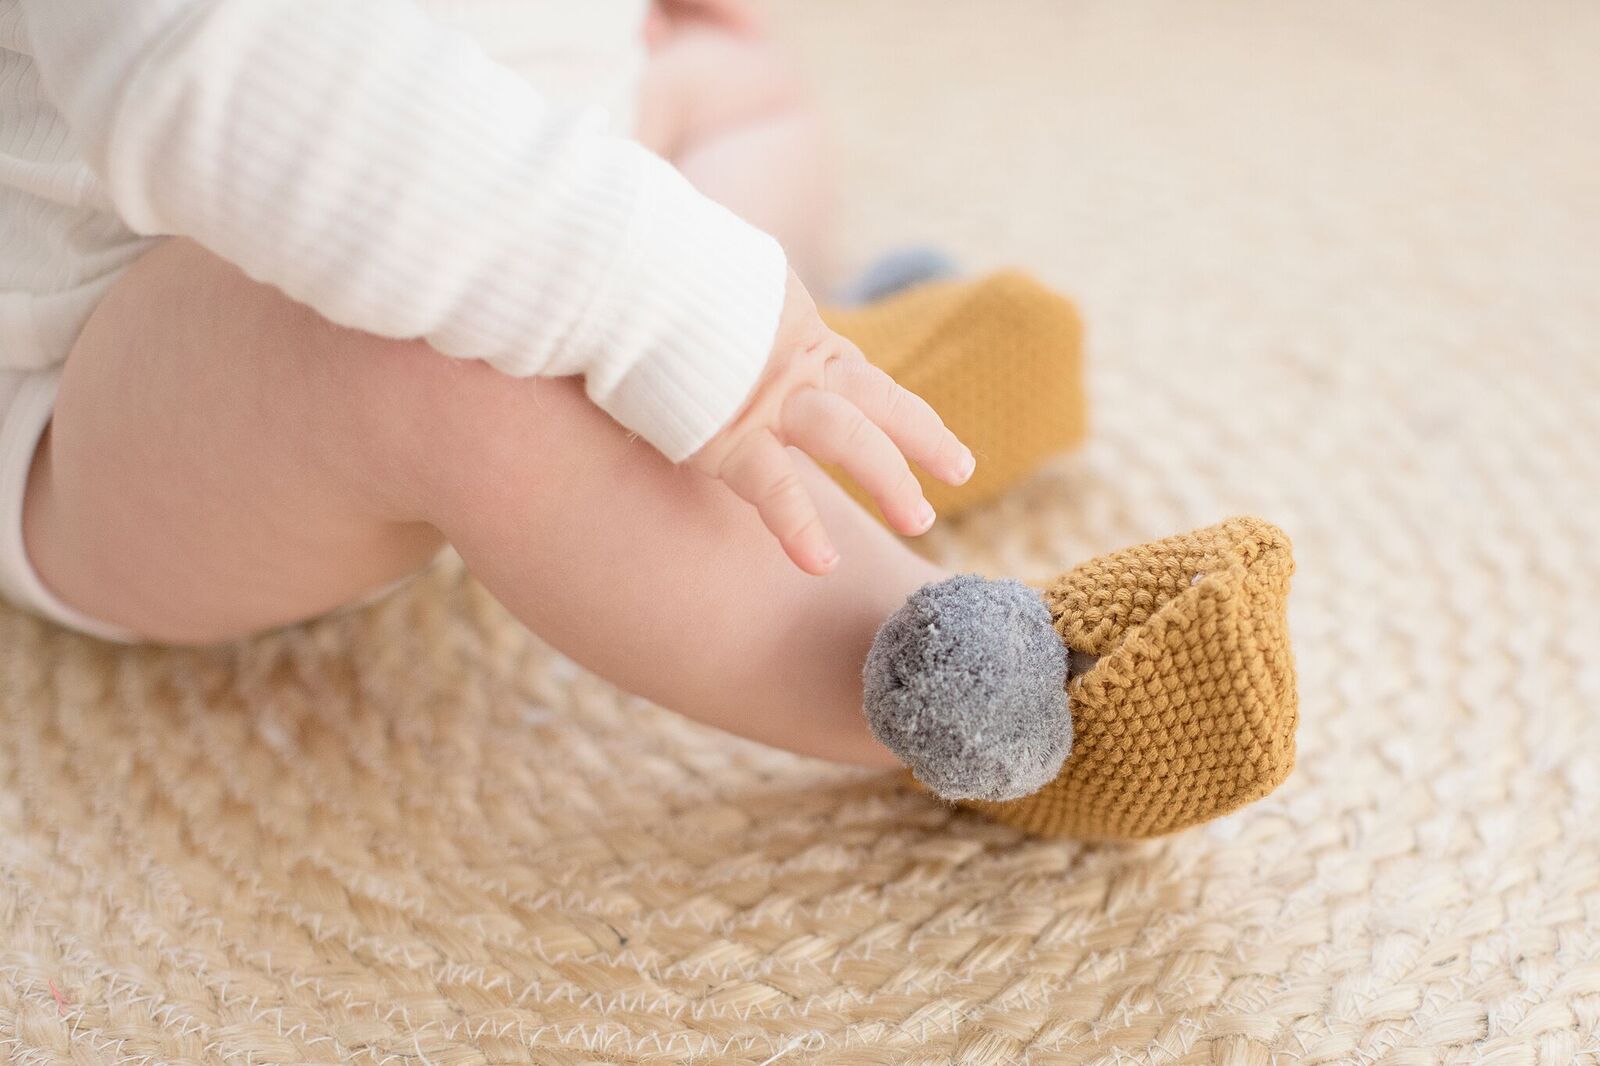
1340, 265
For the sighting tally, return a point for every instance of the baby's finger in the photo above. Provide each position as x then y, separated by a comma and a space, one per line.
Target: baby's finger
828, 427
906, 417
762, 472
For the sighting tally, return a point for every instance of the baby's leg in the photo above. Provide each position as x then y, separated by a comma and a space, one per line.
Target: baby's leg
223, 460
731, 114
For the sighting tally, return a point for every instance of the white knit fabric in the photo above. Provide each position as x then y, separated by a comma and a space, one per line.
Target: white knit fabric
396, 166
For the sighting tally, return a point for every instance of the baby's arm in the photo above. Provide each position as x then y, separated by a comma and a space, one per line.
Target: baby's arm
385, 172
381, 169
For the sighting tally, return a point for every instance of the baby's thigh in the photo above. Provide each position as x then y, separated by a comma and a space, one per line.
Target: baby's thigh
705, 81
195, 482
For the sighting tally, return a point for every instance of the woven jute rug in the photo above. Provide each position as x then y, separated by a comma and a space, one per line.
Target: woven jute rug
1341, 267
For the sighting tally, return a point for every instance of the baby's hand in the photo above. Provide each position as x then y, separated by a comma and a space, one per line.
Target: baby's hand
819, 394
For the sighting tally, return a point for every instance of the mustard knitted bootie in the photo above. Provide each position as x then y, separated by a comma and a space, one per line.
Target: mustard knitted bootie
1000, 359
1143, 692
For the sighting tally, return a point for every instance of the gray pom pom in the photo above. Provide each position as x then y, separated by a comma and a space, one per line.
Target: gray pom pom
967, 684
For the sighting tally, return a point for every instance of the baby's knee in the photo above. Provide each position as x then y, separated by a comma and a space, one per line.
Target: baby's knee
707, 81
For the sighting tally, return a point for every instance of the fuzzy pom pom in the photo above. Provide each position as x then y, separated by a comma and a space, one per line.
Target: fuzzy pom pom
967, 684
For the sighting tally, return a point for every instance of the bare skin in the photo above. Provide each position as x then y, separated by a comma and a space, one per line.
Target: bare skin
725, 107
223, 460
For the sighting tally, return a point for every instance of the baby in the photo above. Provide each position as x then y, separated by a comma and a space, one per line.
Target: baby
298, 291
295, 292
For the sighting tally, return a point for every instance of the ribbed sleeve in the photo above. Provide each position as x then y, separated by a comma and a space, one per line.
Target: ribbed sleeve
381, 169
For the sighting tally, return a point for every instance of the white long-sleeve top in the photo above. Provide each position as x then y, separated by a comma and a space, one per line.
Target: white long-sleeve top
371, 159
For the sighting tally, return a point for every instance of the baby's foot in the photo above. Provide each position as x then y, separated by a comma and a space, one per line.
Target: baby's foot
1143, 692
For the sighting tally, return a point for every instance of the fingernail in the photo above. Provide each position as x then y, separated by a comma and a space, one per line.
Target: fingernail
968, 464
925, 515
829, 558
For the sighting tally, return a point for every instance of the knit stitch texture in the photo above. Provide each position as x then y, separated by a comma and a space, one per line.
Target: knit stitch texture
1190, 709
